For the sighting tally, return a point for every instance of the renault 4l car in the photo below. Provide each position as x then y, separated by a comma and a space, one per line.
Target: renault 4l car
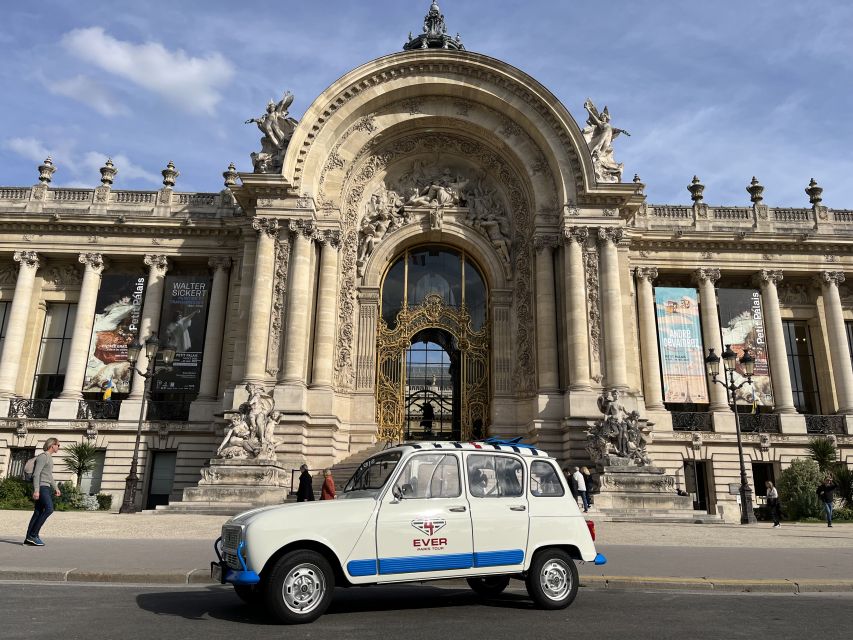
487, 512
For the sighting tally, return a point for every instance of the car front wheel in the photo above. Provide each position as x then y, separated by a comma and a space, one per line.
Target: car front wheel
300, 587
489, 586
552, 581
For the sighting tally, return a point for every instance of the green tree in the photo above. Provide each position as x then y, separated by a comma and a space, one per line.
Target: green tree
80, 458
822, 450
844, 479
797, 489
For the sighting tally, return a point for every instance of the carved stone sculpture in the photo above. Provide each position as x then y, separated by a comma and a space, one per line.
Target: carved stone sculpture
384, 213
278, 129
434, 34
599, 135
618, 439
251, 429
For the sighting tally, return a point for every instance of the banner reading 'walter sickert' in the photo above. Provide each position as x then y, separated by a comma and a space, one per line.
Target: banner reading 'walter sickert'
680, 341
182, 325
116, 325
742, 326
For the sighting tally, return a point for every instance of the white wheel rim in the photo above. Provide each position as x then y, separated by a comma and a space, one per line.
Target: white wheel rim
303, 588
555, 580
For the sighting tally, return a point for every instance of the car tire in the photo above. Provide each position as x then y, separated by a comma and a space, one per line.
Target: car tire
249, 593
489, 586
300, 587
552, 581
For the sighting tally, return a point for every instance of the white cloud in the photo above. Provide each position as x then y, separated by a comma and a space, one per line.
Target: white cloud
192, 83
30, 148
94, 160
88, 91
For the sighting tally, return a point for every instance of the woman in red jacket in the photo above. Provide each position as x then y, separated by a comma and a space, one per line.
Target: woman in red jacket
328, 490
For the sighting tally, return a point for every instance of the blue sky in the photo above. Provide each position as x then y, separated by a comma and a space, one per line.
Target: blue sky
725, 90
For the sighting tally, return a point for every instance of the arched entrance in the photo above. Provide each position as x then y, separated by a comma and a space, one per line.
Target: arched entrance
433, 347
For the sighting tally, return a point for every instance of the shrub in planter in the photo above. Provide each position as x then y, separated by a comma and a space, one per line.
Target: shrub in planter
15, 493
70, 500
797, 486
105, 501
844, 514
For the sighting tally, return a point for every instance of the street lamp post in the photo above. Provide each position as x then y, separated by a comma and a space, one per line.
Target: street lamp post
712, 366
152, 347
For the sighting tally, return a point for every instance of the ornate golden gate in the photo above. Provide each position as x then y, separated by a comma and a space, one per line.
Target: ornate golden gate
432, 313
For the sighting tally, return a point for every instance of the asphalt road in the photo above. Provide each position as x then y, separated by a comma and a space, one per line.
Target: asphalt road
32, 611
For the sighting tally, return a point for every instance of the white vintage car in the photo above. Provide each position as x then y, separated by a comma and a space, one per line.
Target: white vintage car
484, 511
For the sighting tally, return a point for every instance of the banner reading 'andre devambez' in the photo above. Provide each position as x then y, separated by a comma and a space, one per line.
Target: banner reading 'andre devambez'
680, 341
116, 325
742, 326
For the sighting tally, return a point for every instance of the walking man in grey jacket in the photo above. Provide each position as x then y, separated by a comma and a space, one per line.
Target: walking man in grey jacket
43, 485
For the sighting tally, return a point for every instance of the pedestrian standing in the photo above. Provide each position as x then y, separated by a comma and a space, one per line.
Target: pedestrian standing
305, 492
773, 504
573, 485
590, 484
579, 479
328, 490
826, 492
43, 486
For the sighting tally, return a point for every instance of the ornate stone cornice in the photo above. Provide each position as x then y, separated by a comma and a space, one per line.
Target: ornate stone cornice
611, 234
219, 262
269, 226
542, 241
28, 258
826, 278
647, 273
93, 261
702, 275
767, 277
157, 262
576, 234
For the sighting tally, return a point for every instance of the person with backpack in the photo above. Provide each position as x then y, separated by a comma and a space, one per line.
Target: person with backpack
43, 484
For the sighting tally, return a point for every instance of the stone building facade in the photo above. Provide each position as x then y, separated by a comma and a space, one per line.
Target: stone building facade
430, 157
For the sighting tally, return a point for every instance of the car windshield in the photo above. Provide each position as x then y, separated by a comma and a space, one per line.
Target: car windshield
371, 475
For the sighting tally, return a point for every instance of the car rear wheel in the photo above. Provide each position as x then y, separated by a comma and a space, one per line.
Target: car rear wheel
489, 586
552, 581
300, 587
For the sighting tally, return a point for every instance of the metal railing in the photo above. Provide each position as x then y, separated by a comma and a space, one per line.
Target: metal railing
758, 422
98, 409
692, 421
825, 424
37, 408
168, 410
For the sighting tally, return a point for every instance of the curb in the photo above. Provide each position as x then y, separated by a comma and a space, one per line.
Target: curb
611, 583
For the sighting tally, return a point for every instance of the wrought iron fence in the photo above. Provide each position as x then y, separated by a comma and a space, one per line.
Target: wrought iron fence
692, 421
758, 422
37, 408
825, 424
168, 410
98, 409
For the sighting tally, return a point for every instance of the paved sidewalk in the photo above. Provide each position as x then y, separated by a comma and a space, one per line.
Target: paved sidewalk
177, 549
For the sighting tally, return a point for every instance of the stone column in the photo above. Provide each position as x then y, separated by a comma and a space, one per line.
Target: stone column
13, 345
259, 316
649, 338
78, 350
212, 356
324, 343
158, 265
837, 334
783, 395
615, 364
576, 312
368, 319
546, 314
711, 335
299, 304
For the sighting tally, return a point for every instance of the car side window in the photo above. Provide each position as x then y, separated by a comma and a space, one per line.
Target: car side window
544, 481
495, 476
432, 475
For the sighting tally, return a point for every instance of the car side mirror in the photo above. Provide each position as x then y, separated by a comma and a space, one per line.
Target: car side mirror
397, 493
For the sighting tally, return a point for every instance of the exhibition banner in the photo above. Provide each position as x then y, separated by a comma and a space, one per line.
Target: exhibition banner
182, 324
742, 326
680, 341
116, 325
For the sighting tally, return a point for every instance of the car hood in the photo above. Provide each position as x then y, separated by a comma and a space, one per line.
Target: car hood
324, 509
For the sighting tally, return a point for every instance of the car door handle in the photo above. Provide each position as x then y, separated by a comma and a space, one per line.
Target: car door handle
518, 507
457, 509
